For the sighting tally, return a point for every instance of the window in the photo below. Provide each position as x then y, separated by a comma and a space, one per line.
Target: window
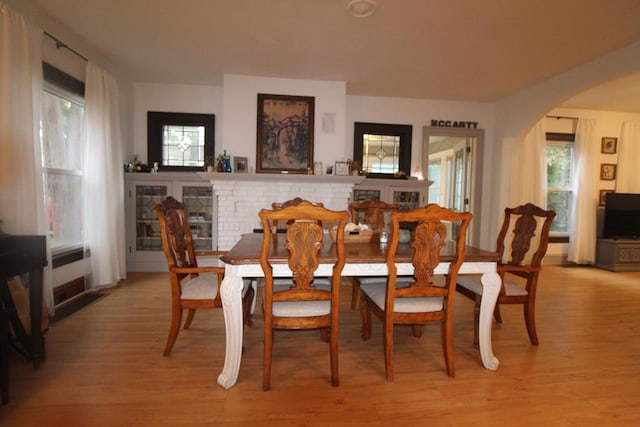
382, 150
180, 141
62, 148
559, 157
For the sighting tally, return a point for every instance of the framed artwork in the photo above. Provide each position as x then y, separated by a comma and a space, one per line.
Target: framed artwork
602, 198
607, 171
240, 164
285, 134
609, 145
342, 168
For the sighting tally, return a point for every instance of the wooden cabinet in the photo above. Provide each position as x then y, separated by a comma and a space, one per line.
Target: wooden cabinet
618, 254
406, 193
143, 192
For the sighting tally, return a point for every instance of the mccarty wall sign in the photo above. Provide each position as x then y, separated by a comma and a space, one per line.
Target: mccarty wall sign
454, 124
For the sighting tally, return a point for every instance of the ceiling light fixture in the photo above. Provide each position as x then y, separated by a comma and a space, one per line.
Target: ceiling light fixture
362, 8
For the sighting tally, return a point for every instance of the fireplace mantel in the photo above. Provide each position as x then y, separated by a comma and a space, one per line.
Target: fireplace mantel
281, 177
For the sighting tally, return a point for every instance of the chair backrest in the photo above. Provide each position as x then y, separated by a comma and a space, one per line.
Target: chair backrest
304, 240
292, 202
429, 237
177, 241
372, 212
524, 236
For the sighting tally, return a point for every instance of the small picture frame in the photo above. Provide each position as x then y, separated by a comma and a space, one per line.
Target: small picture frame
609, 145
240, 164
602, 198
607, 171
342, 168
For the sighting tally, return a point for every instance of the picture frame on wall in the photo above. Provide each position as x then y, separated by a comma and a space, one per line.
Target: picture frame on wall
602, 198
285, 134
607, 171
609, 145
240, 164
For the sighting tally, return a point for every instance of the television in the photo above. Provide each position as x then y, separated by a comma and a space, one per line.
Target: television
621, 216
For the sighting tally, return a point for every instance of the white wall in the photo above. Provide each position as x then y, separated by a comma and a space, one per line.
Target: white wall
175, 98
240, 100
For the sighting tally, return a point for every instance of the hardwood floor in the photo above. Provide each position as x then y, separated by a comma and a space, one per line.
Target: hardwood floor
105, 366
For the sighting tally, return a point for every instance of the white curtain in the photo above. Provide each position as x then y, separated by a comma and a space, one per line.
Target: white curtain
582, 226
528, 175
628, 175
21, 186
103, 183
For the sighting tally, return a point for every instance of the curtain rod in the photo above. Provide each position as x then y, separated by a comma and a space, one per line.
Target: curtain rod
60, 44
562, 117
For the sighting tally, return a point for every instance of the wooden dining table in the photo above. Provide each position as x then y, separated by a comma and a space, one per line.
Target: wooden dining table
242, 262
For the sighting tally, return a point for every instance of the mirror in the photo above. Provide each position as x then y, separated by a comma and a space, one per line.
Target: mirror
451, 159
382, 150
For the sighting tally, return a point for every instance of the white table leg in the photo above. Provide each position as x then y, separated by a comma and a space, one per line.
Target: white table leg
490, 291
231, 295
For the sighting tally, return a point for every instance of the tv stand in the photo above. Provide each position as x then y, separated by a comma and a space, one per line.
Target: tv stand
618, 254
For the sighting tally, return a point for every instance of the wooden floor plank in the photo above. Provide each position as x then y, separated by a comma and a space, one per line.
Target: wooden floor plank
105, 366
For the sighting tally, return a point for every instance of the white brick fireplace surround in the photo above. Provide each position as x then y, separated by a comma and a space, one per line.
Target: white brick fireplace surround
240, 196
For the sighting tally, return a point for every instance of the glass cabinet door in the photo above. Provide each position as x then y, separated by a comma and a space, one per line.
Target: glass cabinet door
406, 200
198, 202
147, 226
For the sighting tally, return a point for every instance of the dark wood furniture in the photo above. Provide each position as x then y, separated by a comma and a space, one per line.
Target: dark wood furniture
372, 212
192, 286
301, 305
522, 243
21, 255
362, 259
422, 300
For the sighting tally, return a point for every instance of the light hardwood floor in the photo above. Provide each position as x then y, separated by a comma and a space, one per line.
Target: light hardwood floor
105, 366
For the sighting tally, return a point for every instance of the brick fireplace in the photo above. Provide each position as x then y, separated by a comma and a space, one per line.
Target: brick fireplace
240, 196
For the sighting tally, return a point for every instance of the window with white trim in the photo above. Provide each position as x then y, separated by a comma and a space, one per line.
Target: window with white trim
62, 147
559, 159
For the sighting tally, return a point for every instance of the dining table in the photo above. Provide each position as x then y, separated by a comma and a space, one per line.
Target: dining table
242, 262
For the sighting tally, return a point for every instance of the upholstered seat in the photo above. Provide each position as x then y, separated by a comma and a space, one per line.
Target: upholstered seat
300, 304
192, 286
426, 299
522, 241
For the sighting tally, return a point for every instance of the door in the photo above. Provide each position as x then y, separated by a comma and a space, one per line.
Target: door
450, 157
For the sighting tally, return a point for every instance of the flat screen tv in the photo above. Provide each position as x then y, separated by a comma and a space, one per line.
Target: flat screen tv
621, 216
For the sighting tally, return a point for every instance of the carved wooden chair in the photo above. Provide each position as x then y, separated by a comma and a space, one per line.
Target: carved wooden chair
522, 241
192, 286
422, 301
301, 305
292, 202
374, 213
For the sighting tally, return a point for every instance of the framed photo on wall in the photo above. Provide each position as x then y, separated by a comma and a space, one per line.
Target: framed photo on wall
609, 145
285, 134
607, 171
240, 164
602, 198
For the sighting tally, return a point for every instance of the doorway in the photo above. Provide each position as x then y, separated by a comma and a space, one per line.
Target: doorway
451, 158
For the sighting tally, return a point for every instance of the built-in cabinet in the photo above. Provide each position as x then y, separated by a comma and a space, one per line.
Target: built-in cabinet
406, 193
143, 192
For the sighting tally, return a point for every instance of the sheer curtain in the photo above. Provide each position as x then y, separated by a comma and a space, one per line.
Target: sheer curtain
103, 183
582, 227
21, 186
528, 175
628, 177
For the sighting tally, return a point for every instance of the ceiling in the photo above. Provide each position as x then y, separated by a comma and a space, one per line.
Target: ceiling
464, 50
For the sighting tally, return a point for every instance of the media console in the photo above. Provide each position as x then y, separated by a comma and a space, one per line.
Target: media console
618, 254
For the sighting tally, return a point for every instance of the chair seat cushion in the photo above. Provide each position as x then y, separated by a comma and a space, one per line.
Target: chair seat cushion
378, 279
301, 308
473, 283
377, 293
205, 286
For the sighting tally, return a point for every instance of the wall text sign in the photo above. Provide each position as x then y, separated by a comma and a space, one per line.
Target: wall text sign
454, 124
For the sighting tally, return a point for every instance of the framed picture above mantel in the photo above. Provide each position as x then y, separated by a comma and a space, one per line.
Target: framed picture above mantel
285, 134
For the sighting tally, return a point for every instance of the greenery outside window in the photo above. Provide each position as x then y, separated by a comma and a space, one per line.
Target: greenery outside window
382, 150
180, 141
559, 159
